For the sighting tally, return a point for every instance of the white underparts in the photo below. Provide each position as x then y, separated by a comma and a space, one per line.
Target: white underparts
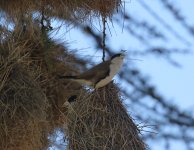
115, 66
82, 81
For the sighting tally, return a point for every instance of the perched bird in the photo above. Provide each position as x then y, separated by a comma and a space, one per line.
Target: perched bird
101, 74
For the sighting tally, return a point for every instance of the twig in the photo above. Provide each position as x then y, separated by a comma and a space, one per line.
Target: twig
104, 37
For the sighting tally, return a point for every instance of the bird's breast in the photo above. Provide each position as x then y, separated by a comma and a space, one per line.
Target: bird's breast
114, 68
103, 82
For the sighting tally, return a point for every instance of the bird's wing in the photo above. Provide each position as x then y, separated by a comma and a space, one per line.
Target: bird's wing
96, 73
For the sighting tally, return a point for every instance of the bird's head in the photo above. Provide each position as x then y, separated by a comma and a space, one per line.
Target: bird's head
120, 55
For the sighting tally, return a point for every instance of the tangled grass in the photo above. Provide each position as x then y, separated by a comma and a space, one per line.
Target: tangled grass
30, 94
64, 9
98, 120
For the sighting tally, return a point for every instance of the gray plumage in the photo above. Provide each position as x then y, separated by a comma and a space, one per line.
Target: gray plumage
101, 74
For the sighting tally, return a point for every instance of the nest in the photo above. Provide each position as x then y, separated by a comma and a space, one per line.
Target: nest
65, 9
99, 121
23, 111
31, 96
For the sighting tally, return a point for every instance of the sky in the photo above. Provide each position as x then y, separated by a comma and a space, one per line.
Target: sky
175, 83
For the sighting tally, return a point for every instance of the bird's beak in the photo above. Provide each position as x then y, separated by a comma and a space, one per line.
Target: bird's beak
123, 52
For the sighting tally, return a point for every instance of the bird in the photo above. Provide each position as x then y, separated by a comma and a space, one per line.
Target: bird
101, 74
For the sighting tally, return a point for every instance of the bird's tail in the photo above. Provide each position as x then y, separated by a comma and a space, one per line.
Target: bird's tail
67, 77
